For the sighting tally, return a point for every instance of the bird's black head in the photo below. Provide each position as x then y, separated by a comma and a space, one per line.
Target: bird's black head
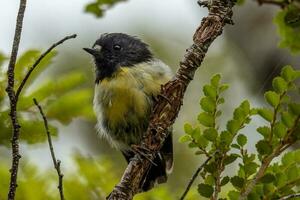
115, 50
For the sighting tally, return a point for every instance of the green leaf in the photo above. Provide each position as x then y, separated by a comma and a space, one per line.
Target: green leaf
211, 167
264, 131
233, 126
210, 134
279, 85
272, 98
236, 146
192, 145
210, 91
206, 119
196, 134
292, 172
225, 180
208, 104
226, 137
205, 190
67, 107
98, 7
265, 113
94, 9
185, 138
215, 80
295, 108
290, 37
288, 159
51, 89
248, 158
34, 132
223, 88
230, 159
297, 156
288, 73
250, 168
292, 17
202, 141
27, 59
279, 129
263, 147
24, 61
233, 195
241, 140
287, 119
237, 181
210, 180
188, 129
245, 105
268, 178
239, 114
2, 58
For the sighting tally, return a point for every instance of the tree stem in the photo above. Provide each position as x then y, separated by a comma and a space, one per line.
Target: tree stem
13, 103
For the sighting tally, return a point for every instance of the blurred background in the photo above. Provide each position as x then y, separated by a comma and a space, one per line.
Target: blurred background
246, 55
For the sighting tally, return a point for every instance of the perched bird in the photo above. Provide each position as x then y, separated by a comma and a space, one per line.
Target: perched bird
128, 77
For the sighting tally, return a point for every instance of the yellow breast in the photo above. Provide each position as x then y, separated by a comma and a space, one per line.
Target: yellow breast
123, 95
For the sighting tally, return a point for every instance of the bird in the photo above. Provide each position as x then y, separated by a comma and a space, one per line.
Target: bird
128, 78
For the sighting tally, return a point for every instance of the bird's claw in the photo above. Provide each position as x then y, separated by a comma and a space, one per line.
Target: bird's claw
142, 151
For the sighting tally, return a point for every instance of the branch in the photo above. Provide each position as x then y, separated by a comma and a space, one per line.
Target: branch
56, 162
267, 160
193, 178
165, 111
19, 90
281, 4
291, 196
13, 103
13, 96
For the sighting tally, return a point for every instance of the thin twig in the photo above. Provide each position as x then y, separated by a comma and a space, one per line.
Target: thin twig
194, 177
291, 196
19, 90
281, 4
56, 162
13, 102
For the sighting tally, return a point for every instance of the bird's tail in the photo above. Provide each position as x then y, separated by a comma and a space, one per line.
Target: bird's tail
163, 165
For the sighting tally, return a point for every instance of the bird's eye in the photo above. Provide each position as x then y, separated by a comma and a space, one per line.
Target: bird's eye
117, 47
97, 47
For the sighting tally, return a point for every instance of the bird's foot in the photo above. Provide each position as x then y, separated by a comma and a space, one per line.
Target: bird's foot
142, 151
162, 96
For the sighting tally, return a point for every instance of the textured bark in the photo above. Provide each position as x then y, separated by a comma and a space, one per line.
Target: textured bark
169, 102
13, 103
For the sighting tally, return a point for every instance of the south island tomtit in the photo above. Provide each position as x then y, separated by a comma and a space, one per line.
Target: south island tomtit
128, 77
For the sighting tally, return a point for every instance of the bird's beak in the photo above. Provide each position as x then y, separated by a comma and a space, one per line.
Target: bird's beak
93, 52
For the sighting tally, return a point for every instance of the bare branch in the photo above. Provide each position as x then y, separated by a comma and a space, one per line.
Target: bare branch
13, 103
36, 63
194, 177
13, 96
281, 4
291, 196
164, 114
56, 162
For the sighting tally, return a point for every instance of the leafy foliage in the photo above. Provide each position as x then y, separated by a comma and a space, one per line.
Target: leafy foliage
288, 23
92, 179
98, 7
64, 96
229, 145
